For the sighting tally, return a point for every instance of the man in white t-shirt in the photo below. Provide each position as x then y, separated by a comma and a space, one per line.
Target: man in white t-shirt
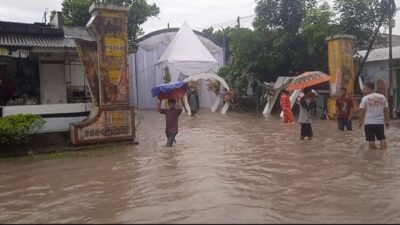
374, 116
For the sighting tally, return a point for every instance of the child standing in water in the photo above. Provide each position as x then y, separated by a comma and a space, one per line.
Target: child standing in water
171, 119
307, 103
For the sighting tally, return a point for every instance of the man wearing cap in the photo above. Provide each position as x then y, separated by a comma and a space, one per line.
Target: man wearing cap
374, 116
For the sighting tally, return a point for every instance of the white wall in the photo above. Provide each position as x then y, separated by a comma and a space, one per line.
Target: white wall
376, 70
57, 124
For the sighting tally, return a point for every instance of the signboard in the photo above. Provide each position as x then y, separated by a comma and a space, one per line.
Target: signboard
106, 65
114, 46
110, 124
114, 76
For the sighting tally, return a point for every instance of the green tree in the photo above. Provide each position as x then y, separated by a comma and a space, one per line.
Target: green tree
243, 47
317, 25
52, 15
76, 13
220, 37
362, 18
278, 24
281, 14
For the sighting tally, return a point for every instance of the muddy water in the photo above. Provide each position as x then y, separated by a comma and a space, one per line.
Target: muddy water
238, 168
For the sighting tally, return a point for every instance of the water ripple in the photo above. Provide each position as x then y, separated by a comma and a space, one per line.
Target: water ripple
238, 168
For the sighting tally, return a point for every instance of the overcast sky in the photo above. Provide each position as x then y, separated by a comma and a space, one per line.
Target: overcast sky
198, 13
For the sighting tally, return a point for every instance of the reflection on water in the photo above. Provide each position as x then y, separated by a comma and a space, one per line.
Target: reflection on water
237, 168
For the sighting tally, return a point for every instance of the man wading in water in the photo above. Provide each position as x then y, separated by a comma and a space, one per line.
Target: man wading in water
374, 116
171, 119
307, 103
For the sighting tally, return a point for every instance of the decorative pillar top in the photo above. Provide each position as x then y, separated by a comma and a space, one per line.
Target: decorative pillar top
106, 6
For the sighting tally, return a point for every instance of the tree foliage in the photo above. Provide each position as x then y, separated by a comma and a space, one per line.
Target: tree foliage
288, 39
281, 14
317, 25
76, 13
362, 18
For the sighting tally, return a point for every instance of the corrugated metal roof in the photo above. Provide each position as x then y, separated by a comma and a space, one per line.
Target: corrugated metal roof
381, 54
29, 28
44, 41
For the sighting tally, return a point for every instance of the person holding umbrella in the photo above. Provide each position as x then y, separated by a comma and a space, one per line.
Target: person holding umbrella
307, 103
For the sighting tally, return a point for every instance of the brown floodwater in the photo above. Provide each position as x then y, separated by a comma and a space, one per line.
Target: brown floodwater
234, 168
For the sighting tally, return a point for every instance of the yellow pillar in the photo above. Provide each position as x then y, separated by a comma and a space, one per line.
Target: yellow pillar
341, 49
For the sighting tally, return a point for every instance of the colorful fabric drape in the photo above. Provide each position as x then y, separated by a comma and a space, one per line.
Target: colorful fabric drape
173, 90
286, 108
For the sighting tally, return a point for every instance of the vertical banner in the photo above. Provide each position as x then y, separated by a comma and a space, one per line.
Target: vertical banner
106, 66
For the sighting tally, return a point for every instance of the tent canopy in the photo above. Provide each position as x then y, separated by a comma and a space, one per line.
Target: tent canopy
180, 51
184, 53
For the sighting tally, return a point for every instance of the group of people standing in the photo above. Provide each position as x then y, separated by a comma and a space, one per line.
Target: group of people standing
374, 113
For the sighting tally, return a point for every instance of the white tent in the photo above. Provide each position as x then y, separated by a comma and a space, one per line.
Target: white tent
187, 54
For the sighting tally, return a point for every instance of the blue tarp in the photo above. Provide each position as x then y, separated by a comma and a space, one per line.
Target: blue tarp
165, 88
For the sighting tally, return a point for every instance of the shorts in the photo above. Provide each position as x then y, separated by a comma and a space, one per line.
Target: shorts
306, 130
374, 130
342, 123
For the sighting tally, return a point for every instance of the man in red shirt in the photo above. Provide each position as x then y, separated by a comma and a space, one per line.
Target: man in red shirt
171, 119
344, 104
286, 107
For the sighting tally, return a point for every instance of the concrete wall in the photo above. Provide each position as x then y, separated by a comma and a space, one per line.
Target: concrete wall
59, 123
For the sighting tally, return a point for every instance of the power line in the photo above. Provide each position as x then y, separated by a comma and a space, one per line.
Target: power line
242, 19
193, 7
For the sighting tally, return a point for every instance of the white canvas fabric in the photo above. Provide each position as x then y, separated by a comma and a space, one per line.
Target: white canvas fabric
184, 53
186, 47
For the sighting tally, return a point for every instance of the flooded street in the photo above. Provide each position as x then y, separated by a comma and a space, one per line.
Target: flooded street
234, 168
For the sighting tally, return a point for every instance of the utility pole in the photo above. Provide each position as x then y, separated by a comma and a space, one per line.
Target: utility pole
392, 8
225, 47
238, 21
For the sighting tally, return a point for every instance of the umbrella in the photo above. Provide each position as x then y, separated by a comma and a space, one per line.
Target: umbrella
307, 79
170, 90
